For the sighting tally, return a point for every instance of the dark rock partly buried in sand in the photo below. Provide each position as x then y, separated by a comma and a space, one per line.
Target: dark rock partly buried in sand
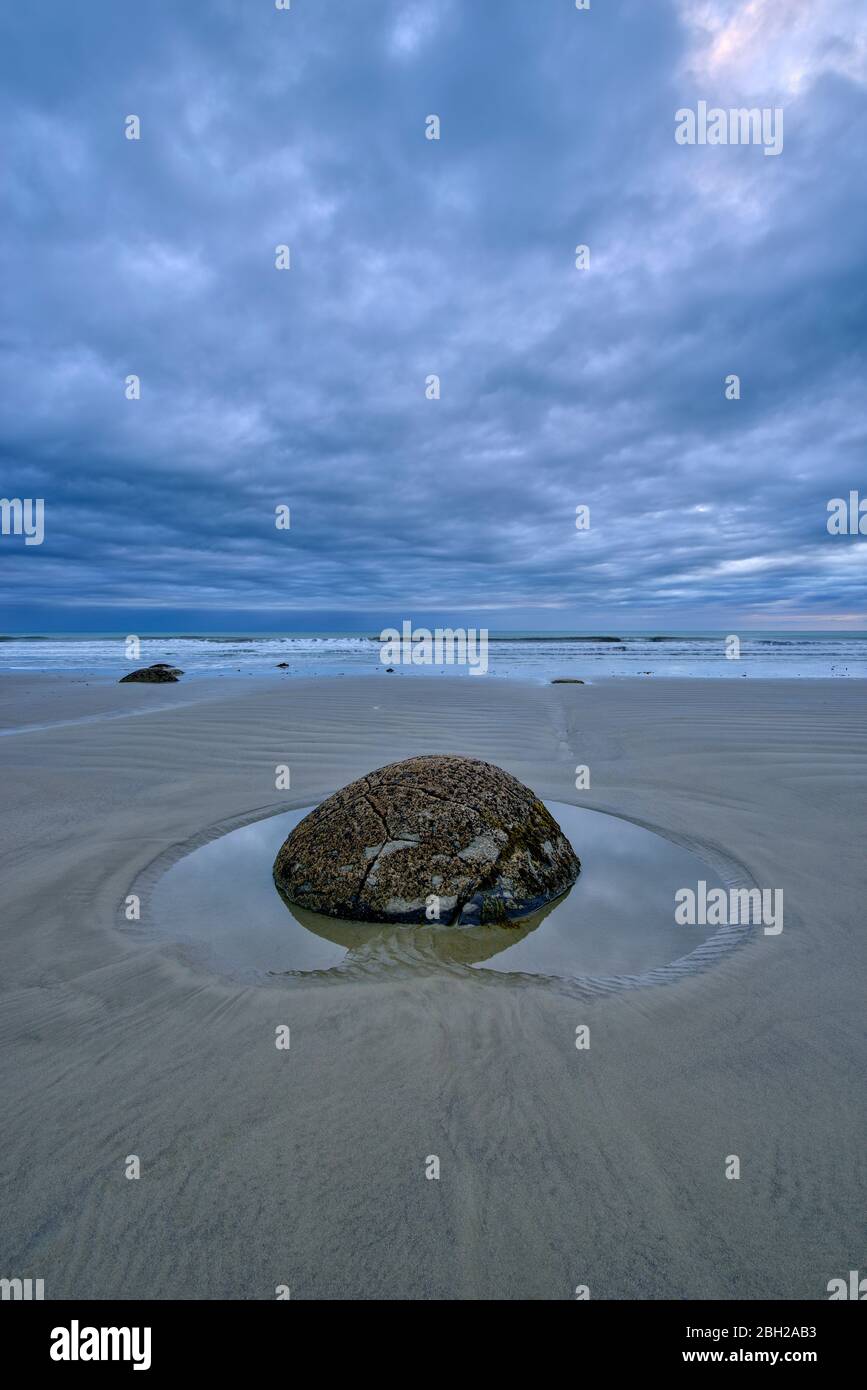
456, 830
160, 671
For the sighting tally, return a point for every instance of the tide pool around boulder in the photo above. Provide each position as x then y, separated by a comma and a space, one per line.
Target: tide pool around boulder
434, 838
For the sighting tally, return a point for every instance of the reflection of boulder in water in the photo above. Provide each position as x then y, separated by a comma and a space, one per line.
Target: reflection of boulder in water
465, 945
455, 829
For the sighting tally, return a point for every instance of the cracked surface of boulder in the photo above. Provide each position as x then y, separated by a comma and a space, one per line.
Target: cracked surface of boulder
456, 830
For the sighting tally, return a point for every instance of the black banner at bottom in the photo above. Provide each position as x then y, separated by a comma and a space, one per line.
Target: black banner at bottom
167, 1337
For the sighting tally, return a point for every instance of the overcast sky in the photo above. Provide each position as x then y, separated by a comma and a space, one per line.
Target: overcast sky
412, 257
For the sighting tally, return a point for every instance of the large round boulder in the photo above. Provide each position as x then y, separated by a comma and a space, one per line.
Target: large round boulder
432, 835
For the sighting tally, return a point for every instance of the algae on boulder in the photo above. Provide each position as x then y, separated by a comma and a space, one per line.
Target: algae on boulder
441, 833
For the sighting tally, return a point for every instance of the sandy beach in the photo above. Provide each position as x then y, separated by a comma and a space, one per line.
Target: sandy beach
306, 1167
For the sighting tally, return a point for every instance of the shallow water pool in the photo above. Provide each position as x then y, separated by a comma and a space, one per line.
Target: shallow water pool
617, 919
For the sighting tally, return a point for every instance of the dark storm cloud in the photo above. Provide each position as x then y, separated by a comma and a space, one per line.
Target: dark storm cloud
412, 257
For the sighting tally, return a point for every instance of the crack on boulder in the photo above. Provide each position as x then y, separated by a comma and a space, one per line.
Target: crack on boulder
486, 880
451, 800
375, 860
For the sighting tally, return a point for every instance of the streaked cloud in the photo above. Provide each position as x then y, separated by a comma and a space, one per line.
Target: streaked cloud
765, 45
411, 258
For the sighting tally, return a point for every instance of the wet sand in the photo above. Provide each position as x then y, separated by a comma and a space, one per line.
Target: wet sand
306, 1167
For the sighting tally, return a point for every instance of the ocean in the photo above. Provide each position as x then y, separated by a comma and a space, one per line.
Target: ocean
525, 655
